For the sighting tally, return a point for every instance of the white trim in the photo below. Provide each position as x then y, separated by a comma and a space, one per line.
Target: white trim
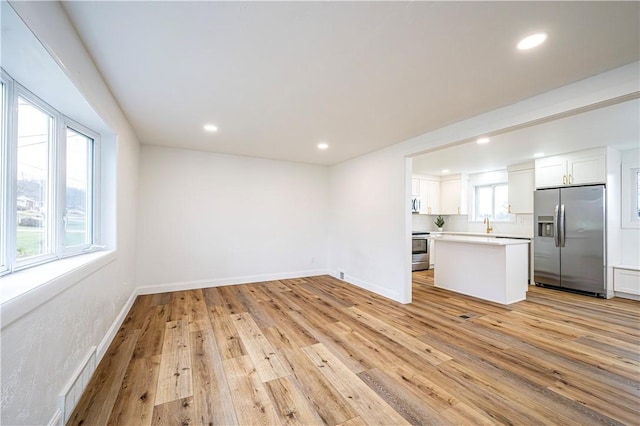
628, 267
56, 419
93, 209
381, 291
217, 282
626, 295
115, 326
53, 177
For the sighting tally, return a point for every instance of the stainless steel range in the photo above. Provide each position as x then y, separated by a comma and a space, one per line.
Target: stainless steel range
419, 251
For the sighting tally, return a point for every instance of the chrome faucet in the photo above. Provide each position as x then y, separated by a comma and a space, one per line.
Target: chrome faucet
489, 227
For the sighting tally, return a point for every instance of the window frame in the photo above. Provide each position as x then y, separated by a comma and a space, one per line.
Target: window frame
9, 261
95, 180
5, 118
18, 264
493, 186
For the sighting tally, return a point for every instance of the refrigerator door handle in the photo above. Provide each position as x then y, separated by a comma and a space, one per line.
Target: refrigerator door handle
556, 235
561, 227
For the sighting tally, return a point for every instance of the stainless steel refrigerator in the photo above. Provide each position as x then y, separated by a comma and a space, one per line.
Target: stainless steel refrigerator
569, 238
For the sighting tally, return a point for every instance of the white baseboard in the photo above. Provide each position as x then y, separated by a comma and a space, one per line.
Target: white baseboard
395, 296
191, 285
115, 326
626, 295
56, 419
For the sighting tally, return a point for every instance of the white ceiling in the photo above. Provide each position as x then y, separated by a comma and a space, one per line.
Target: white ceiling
279, 77
616, 125
25, 59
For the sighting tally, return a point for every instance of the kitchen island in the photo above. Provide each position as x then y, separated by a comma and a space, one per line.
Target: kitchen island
489, 268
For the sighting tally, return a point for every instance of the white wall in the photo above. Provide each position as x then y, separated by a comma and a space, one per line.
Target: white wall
630, 237
209, 219
630, 243
41, 349
370, 219
368, 196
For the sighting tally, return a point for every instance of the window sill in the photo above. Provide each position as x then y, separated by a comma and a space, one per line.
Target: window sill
23, 291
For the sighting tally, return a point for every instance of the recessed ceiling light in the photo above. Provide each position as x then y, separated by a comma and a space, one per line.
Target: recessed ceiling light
538, 155
445, 170
323, 145
210, 128
532, 41
481, 141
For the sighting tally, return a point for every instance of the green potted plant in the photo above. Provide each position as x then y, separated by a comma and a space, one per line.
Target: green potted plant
439, 222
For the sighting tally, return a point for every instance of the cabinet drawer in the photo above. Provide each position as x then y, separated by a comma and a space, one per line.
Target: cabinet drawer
626, 280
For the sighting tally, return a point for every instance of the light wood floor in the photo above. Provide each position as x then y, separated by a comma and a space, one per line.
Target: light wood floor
315, 350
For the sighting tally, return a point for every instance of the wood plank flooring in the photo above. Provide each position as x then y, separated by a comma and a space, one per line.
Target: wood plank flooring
319, 351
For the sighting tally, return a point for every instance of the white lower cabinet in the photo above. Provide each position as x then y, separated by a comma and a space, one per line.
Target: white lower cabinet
432, 254
626, 280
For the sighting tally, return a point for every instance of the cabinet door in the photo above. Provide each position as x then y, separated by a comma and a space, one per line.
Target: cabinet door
583, 169
521, 187
551, 171
450, 197
415, 187
432, 253
430, 195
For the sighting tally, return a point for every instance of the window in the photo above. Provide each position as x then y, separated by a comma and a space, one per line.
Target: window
78, 214
48, 182
492, 201
34, 185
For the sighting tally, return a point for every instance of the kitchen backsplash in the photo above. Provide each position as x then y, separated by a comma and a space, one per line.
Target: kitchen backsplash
523, 224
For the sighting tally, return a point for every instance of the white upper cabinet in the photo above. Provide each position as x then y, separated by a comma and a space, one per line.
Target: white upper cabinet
453, 195
415, 187
576, 168
428, 191
587, 167
521, 187
429, 196
551, 171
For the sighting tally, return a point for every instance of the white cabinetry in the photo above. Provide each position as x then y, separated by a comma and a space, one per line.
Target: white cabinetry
415, 187
587, 167
576, 168
551, 171
432, 253
521, 187
428, 191
626, 279
453, 195
430, 196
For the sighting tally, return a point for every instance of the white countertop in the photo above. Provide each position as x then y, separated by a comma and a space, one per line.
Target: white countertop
473, 239
479, 234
